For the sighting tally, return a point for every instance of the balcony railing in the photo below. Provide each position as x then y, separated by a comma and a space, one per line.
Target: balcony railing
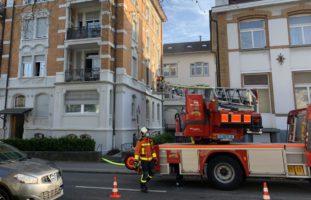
83, 32
82, 74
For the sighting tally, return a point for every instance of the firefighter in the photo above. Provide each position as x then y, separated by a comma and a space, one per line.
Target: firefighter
145, 153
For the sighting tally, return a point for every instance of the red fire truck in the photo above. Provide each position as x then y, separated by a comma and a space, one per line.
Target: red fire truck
215, 127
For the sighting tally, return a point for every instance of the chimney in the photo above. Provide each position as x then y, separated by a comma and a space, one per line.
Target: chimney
221, 2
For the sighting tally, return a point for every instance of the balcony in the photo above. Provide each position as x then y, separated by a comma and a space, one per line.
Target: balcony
83, 32
82, 74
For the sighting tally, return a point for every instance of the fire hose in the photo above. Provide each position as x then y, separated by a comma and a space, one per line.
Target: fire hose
112, 163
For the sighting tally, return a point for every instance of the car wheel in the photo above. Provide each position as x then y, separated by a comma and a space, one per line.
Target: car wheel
4, 195
225, 173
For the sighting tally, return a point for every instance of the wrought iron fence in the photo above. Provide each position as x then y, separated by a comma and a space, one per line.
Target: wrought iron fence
83, 32
82, 74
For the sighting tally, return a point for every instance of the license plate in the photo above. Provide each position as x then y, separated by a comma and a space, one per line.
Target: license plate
297, 170
225, 137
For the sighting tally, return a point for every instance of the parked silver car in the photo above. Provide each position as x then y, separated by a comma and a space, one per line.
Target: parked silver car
26, 178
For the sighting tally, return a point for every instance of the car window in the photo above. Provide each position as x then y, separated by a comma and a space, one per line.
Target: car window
9, 153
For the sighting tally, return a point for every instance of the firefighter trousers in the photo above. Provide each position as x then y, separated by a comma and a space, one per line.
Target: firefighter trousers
147, 172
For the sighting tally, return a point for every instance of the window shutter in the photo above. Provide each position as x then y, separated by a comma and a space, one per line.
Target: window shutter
82, 97
41, 27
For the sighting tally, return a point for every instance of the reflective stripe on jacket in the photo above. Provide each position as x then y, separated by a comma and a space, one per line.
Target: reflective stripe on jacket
144, 150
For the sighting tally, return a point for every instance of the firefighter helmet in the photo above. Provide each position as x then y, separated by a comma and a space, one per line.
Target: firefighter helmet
143, 131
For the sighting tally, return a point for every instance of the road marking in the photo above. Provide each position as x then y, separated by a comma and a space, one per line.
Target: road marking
124, 189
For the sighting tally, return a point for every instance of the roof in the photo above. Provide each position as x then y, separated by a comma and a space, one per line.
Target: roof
186, 47
16, 111
159, 10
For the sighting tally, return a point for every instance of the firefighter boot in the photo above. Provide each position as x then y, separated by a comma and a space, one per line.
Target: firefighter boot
143, 188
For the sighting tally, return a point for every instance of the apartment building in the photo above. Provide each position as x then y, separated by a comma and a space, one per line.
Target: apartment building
83, 68
186, 65
265, 44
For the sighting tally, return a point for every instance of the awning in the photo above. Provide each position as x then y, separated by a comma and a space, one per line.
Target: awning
15, 111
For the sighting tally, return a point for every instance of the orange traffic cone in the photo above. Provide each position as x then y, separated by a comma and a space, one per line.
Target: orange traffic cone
114, 193
266, 195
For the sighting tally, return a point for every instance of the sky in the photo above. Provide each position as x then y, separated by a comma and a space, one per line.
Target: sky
187, 20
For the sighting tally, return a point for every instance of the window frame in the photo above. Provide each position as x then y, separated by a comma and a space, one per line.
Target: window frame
34, 18
33, 62
261, 87
170, 71
301, 26
308, 87
252, 30
195, 65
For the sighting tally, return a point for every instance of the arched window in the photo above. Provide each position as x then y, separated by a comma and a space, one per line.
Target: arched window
147, 110
133, 110
42, 105
300, 29
19, 101
158, 112
252, 34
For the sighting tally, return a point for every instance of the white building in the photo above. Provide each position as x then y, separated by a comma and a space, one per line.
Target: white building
266, 44
186, 64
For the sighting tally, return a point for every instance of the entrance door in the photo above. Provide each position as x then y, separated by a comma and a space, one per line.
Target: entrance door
17, 126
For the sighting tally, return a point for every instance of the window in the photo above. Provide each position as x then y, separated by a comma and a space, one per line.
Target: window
153, 109
261, 83
147, 12
147, 73
27, 66
147, 110
19, 101
133, 107
42, 105
170, 70
35, 27
28, 29
33, 1
300, 29
82, 102
33, 66
158, 112
148, 43
252, 34
302, 89
135, 31
41, 27
199, 69
134, 63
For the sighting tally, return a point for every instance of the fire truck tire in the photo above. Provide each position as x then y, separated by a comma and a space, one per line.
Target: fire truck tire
225, 173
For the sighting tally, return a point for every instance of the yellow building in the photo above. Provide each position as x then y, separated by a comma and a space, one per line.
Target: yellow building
65, 61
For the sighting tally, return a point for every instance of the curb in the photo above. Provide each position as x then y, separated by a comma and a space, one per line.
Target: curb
99, 172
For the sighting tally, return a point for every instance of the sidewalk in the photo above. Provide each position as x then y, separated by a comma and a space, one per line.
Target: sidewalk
92, 167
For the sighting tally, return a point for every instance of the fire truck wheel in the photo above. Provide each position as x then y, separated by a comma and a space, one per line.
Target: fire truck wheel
225, 173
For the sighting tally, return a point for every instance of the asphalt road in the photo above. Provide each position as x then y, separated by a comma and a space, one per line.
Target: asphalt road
92, 186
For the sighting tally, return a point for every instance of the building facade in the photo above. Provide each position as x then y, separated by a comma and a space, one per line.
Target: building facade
185, 65
80, 68
265, 44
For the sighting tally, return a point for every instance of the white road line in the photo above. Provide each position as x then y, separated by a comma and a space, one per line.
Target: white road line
124, 189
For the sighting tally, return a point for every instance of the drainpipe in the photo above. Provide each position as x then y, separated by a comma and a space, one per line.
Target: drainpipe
2, 36
9, 69
217, 50
115, 75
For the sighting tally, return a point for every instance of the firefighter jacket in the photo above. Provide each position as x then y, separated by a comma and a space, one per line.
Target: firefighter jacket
144, 150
